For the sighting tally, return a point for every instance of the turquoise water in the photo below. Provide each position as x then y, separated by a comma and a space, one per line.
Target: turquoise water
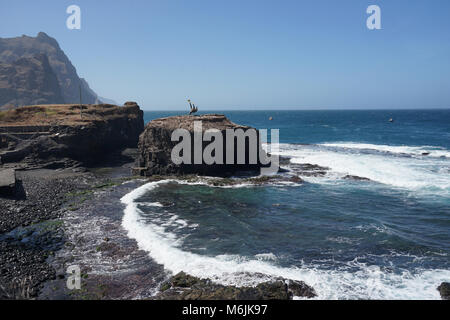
387, 238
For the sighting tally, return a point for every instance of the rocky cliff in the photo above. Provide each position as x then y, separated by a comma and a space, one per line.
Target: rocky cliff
64, 135
13, 49
29, 81
156, 146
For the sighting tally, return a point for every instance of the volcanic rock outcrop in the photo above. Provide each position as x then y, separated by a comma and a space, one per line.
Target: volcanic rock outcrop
185, 287
64, 135
156, 146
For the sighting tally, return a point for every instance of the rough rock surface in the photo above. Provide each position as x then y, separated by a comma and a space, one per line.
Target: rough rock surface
7, 181
356, 178
27, 236
54, 136
29, 81
155, 147
444, 290
14, 49
186, 287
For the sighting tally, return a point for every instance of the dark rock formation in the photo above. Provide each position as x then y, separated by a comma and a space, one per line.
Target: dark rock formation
444, 290
308, 170
14, 49
7, 181
23, 269
356, 178
29, 81
186, 287
156, 145
61, 136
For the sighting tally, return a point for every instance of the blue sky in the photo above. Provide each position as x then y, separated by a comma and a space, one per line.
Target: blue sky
250, 54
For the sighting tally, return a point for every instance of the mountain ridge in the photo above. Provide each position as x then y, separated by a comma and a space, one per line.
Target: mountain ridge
29, 80
13, 49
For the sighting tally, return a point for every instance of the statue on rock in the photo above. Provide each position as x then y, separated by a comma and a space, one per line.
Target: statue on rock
194, 109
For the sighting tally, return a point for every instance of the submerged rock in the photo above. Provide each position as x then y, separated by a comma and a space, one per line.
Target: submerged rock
185, 287
357, 178
309, 170
156, 146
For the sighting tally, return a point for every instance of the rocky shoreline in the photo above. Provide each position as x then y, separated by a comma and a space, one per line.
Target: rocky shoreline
74, 218
55, 232
30, 229
82, 226
63, 213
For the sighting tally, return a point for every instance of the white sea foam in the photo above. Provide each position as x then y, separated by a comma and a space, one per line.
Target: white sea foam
151, 204
411, 150
367, 282
266, 256
425, 174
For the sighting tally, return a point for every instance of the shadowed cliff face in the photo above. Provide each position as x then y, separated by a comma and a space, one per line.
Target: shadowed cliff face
29, 81
13, 49
156, 145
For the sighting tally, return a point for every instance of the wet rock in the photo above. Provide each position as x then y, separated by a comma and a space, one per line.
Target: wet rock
183, 280
444, 290
356, 178
296, 179
185, 287
23, 270
309, 170
277, 290
300, 289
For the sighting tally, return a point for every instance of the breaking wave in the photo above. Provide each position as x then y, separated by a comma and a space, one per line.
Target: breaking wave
396, 166
356, 280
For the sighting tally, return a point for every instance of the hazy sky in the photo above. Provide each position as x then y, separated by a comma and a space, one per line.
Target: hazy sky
249, 54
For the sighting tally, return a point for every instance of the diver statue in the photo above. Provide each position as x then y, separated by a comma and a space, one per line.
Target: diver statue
194, 109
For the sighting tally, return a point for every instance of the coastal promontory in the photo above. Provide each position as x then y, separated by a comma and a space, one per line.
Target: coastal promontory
64, 135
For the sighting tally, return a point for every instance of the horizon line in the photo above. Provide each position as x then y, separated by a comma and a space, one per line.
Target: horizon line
307, 109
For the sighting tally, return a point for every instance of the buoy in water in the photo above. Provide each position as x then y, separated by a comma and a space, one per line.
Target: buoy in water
270, 118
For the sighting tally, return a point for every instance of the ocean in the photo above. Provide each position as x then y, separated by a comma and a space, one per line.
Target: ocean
384, 238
